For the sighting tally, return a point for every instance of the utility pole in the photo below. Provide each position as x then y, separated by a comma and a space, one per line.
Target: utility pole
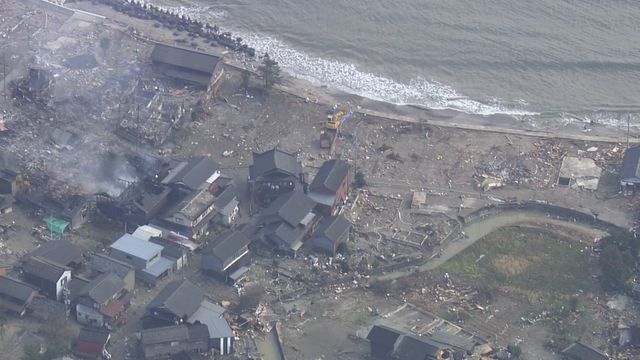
628, 128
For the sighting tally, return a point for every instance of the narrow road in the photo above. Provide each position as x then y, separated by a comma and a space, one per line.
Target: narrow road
477, 230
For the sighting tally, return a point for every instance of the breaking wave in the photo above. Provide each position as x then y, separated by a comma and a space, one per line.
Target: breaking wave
347, 77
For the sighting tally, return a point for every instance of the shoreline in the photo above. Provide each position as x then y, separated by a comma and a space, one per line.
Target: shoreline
416, 114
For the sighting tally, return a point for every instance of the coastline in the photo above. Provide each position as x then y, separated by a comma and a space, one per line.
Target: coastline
446, 118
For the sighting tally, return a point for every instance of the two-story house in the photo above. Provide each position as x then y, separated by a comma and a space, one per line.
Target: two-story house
273, 173
330, 187
192, 215
226, 258
287, 222
181, 302
101, 301
146, 257
51, 278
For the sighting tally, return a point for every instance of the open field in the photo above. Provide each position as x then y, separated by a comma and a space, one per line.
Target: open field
526, 263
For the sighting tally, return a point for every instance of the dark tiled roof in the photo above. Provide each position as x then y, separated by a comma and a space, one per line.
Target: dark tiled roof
291, 207
333, 228
103, 288
225, 197
6, 201
192, 173
383, 335
580, 351
93, 335
164, 334
409, 347
59, 251
330, 176
185, 58
229, 243
16, 289
106, 264
456, 341
274, 159
179, 298
631, 163
197, 332
170, 248
44, 269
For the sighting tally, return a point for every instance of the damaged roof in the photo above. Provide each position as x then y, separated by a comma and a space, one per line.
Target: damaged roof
59, 251
106, 264
184, 58
331, 175
179, 298
291, 207
103, 288
175, 333
44, 269
193, 173
94, 335
334, 228
15, 289
274, 159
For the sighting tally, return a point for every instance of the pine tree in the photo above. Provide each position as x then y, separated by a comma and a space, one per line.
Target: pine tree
270, 71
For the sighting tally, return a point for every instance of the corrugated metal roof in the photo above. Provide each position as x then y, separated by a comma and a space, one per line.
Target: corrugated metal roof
134, 246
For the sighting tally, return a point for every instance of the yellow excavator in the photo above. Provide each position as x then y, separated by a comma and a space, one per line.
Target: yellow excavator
335, 118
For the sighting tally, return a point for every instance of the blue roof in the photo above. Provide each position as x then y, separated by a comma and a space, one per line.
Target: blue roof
163, 264
136, 247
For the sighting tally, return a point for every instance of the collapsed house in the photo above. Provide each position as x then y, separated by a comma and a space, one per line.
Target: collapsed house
273, 173
36, 87
151, 114
63, 201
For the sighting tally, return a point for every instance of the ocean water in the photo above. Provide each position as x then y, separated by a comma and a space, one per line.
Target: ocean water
564, 60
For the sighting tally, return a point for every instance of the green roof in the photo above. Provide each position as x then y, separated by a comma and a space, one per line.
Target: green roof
56, 225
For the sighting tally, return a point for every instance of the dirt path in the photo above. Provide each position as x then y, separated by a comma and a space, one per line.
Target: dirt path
477, 230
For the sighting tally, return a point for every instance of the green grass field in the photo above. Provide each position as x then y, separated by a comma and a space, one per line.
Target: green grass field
526, 263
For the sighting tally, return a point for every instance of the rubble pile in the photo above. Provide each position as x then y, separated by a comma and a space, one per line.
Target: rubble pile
151, 113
